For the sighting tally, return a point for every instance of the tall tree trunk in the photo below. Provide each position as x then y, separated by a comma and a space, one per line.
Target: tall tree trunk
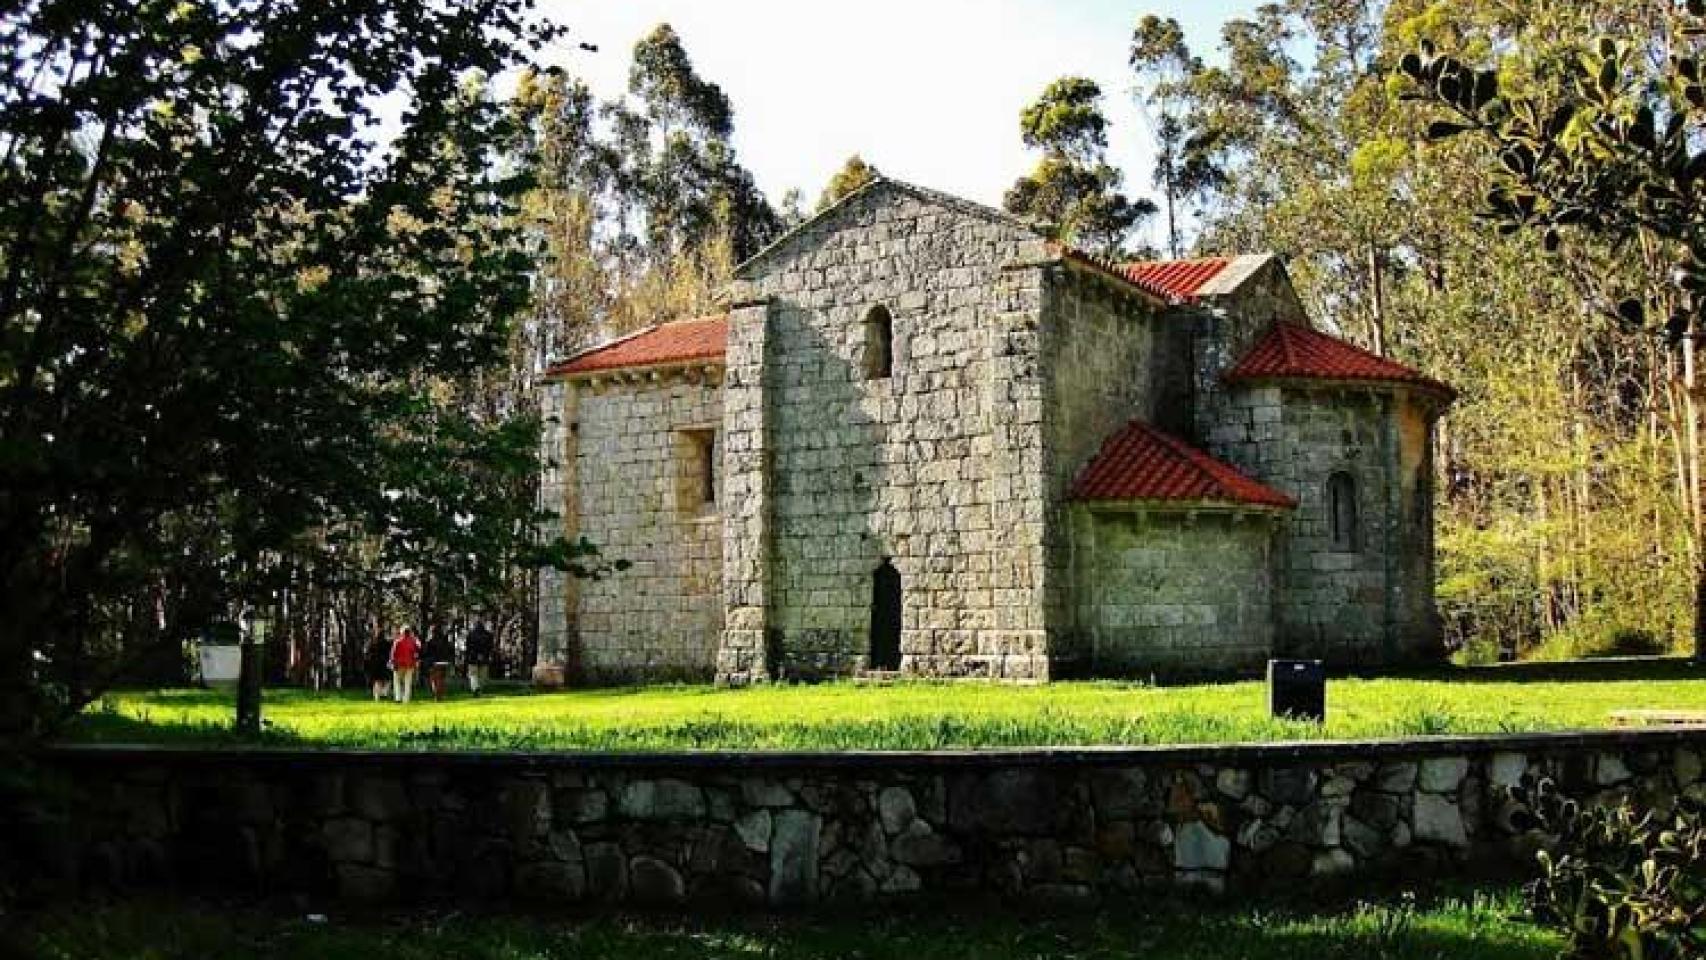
1691, 405
1377, 288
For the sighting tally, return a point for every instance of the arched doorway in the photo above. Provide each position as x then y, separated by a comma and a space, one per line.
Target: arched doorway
885, 617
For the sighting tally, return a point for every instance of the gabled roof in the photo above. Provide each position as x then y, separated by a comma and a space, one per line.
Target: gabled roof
1291, 352
681, 341
925, 194
1140, 463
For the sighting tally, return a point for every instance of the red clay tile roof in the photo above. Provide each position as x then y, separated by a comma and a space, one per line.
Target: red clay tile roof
1291, 352
1177, 280
1108, 269
680, 341
1142, 463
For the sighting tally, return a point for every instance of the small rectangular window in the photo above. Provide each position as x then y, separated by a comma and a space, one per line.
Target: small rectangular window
696, 480
879, 344
1342, 512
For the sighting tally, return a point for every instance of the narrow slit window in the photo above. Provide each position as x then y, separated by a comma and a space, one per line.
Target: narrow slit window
708, 469
1342, 511
879, 344
696, 486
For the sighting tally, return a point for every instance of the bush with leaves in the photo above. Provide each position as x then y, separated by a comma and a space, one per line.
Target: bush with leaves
1608, 148
1616, 882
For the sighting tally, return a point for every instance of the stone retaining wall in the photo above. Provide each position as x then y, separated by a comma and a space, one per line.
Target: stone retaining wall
779, 830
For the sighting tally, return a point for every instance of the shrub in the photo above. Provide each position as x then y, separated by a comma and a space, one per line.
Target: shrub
1629, 642
1619, 884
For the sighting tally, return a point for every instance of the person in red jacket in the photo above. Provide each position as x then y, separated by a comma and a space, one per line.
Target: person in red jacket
405, 659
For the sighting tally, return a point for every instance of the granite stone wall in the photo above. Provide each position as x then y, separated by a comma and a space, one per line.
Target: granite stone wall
1102, 367
1372, 603
636, 445
781, 830
1172, 593
838, 471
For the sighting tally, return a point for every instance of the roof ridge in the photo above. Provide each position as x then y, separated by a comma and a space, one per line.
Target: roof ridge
1293, 351
971, 207
1161, 260
1286, 349
685, 339
634, 334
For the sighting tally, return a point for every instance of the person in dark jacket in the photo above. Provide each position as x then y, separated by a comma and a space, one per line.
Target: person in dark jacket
377, 665
478, 649
439, 657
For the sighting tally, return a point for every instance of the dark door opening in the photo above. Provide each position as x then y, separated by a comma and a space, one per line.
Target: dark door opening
885, 618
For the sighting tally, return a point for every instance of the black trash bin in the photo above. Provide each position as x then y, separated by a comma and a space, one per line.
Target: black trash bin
1297, 690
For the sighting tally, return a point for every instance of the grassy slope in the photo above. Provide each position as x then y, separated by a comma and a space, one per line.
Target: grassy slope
918, 715
1478, 928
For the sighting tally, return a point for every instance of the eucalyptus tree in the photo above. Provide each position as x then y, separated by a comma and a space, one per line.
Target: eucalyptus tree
1073, 186
677, 135
1186, 170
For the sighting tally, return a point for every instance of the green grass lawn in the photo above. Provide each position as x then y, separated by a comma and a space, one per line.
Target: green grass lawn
1475, 927
916, 715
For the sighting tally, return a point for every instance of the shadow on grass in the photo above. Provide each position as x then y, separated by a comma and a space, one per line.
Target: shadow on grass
106, 726
1608, 670
1472, 925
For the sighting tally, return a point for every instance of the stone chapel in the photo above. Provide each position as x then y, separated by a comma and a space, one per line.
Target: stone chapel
925, 439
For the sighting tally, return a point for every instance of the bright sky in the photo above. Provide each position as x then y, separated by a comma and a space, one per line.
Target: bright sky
927, 90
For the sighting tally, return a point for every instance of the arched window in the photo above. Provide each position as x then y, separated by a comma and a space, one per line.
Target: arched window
886, 617
879, 344
1342, 511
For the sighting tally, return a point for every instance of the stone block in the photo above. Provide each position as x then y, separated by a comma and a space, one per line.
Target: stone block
754, 830
1610, 769
1437, 819
794, 857
896, 808
1196, 847
1288, 786
1233, 783
1442, 774
1008, 801
920, 846
661, 800
1121, 793
1506, 770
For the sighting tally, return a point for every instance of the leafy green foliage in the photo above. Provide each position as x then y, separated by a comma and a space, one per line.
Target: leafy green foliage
1605, 149
853, 174
1073, 187
1619, 884
230, 327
